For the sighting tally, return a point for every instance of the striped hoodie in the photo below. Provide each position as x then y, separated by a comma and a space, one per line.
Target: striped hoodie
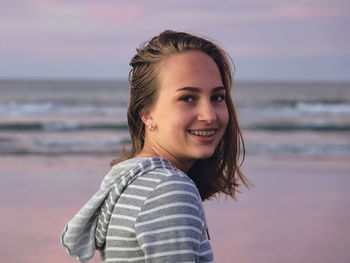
145, 211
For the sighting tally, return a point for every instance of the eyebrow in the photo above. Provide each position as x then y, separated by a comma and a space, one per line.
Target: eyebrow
194, 89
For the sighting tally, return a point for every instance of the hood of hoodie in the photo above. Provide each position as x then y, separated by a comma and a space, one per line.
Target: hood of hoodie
87, 230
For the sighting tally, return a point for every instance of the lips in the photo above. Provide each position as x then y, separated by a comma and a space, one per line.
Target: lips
203, 133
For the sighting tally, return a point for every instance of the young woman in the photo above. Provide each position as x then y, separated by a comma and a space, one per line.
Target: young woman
186, 144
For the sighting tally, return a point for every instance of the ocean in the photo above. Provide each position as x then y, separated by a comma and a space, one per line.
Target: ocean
59, 117
57, 138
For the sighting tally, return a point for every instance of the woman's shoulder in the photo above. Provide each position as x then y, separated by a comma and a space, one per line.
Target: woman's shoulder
168, 173
153, 167
155, 173
169, 186
170, 179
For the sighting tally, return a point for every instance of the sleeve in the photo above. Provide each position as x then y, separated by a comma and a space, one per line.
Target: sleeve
169, 226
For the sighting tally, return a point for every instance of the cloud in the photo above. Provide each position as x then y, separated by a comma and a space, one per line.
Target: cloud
268, 13
58, 29
298, 12
116, 12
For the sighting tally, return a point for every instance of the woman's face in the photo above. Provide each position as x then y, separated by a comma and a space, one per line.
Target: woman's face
190, 114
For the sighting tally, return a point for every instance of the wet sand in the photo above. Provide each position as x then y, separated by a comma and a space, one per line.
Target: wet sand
298, 210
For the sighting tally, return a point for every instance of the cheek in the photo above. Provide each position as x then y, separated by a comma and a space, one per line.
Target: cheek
224, 116
173, 122
178, 118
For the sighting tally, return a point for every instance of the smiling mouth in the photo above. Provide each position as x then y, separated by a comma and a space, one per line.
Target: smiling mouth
203, 133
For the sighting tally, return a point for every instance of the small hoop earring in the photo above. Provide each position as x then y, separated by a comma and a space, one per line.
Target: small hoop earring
151, 128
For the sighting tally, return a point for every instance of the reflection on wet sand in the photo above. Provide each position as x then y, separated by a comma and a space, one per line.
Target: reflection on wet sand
297, 211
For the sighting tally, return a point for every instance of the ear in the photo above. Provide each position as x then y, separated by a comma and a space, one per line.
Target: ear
146, 117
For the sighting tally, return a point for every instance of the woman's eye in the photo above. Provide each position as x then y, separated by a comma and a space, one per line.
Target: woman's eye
187, 98
218, 98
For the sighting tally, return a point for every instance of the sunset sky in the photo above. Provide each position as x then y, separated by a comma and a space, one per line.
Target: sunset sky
267, 39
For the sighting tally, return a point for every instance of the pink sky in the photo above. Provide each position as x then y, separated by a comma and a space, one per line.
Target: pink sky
50, 38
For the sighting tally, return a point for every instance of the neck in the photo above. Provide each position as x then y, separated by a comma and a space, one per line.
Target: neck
179, 163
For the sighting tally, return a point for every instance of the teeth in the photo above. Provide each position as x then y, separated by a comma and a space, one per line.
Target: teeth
203, 133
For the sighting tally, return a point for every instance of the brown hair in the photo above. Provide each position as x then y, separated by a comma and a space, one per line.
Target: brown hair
219, 173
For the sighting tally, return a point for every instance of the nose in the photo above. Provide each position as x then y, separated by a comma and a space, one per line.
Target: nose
207, 112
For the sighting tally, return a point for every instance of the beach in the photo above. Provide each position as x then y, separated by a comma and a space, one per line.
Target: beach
297, 211
57, 139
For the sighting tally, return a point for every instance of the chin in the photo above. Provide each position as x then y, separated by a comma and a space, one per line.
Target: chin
204, 154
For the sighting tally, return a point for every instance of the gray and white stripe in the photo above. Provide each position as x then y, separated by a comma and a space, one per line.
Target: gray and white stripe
146, 211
